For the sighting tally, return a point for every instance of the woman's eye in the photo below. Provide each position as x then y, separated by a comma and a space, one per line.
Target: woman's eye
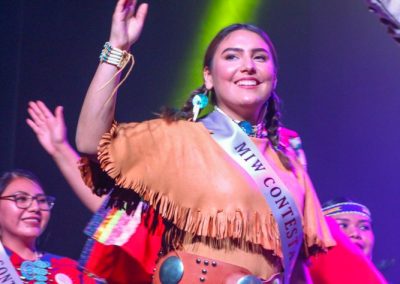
343, 225
21, 198
42, 200
230, 57
261, 58
365, 228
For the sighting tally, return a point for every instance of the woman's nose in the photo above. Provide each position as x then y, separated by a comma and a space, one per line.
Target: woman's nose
34, 205
355, 233
248, 65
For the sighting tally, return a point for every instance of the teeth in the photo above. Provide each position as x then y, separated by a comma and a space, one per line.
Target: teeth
247, 83
31, 219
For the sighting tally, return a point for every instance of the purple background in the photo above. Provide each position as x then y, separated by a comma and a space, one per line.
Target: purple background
338, 81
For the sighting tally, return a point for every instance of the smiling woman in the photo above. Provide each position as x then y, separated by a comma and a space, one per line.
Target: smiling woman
242, 75
26, 207
350, 260
354, 219
229, 190
24, 215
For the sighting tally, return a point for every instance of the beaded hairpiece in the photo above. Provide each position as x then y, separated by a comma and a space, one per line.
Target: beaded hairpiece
346, 207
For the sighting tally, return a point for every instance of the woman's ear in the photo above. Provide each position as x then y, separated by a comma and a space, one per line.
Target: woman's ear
275, 83
208, 82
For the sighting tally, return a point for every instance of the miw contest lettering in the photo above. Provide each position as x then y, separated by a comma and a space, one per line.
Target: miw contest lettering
280, 200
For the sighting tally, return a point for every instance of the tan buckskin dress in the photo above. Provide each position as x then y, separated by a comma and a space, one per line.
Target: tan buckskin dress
212, 204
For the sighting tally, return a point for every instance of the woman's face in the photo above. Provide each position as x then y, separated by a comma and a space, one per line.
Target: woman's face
24, 224
359, 229
242, 74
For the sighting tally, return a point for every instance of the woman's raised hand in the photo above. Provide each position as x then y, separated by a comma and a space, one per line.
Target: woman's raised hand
49, 128
127, 23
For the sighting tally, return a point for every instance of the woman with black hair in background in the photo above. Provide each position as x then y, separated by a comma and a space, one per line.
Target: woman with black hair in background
24, 215
350, 260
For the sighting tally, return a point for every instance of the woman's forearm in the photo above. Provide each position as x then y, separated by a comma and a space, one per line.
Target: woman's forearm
98, 109
67, 161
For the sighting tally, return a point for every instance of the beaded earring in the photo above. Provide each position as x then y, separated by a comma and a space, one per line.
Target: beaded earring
199, 102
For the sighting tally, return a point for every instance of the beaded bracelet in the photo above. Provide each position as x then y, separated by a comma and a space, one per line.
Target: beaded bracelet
120, 59
114, 56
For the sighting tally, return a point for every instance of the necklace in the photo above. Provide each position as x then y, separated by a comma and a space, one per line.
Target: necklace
257, 130
36, 270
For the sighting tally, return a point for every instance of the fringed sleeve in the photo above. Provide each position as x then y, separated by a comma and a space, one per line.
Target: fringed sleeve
93, 175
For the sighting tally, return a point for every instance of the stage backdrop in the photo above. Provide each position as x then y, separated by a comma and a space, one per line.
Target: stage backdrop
338, 79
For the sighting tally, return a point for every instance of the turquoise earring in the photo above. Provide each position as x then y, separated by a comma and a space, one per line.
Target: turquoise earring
199, 102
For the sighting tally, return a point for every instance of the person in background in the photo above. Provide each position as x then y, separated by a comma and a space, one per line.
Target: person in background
51, 132
25, 210
354, 219
350, 260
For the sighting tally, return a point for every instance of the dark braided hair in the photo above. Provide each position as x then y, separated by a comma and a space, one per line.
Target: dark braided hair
272, 120
272, 117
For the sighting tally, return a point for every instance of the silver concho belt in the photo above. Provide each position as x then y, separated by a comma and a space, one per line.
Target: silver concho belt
172, 270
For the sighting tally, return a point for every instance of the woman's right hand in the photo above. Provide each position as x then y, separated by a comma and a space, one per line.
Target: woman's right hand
126, 24
49, 128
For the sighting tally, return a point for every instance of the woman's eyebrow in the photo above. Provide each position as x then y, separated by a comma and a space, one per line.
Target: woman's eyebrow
237, 49
20, 192
342, 219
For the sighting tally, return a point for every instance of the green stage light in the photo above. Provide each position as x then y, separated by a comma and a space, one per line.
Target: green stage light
219, 14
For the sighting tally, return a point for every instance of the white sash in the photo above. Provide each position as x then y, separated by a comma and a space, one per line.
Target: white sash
8, 274
240, 147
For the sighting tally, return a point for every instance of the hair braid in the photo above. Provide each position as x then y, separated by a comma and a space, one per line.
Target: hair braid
272, 123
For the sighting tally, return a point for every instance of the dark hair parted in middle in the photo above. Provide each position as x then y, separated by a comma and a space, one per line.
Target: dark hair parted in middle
272, 118
7, 177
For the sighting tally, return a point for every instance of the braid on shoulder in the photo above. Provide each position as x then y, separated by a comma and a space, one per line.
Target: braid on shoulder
272, 123
186, 112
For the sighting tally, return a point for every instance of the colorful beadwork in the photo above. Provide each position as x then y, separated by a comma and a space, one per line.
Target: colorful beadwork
35, 270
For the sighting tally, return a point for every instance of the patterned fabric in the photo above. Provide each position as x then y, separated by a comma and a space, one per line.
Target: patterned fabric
347, 207
62, 270
131, 262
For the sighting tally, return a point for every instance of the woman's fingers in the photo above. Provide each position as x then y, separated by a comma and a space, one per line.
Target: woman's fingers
44, 110
33, 125
121, 4
59, 114
39, 112
35, 115
136, 23
130, 9
141, 13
